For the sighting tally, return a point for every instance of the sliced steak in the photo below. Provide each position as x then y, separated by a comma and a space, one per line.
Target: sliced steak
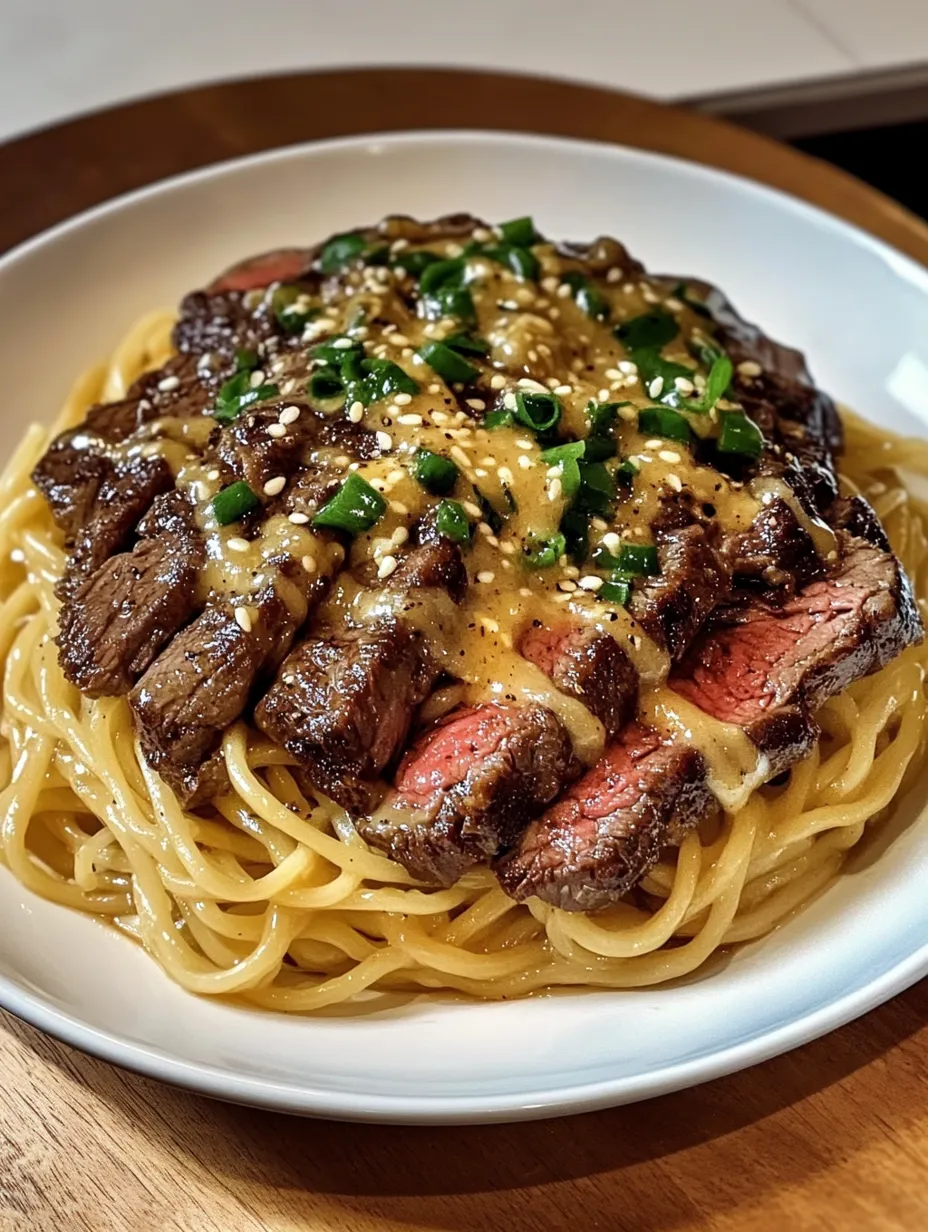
469, 786
776, 552
280, 265
203, 682
123, 497
767, 663
344, 700
608, 829
674, 605
116, 621
588, 665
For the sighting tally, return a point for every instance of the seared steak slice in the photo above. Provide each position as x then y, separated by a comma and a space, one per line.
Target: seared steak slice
469, 786
775, 552
673, 606
762, 661
343, 701
588, 665
607, 830
124, 495
280, 265
203, 682
115, 622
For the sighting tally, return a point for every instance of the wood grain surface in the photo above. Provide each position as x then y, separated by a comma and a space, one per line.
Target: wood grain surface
832, 1137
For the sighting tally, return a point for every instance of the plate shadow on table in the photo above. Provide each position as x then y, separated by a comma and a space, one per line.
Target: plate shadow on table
649, 1166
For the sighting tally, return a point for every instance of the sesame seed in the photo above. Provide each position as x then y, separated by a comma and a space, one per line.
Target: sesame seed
356, 412
612, 541
396, 476
672, 304
384, 441
649, 297
386, 567
591, 582
402, 399
599, 524
675, 482
237, 545
276, 430
256, 378
342, 460
486, 576
614, 275
525, 592
747, 367
669, 455
342, 344
535, 387
504, 474
626, 366
459, 455
653, 444
474, 510
434, 389
243, 619
378, 484
613, 374
507, 548
411, 420
480, 472
298, 518
571, 571
509, 401
213, 474
567, 584
524, 461
485, 529
628, 413
554, 489
309, 564
497, 381
685, 386
168, 383
289, 415
398, 507
476, 404
654, 389
398, 340
564, 290
400, 535
275, 486
563, 390
491, 625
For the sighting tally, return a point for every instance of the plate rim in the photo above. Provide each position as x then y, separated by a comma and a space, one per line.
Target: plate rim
40, 1012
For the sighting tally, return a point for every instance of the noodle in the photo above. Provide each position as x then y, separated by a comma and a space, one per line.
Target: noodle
276, 899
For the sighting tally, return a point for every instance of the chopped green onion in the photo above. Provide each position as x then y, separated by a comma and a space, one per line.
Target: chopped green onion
651, 364
377, 256
662, 421
740, 435
704, 351
449, 365
519, 231
717, 383
436, 473
681, 292
467, 344
575, 527
600, 443
597, 489
292, 311
340, 251
521, 261
415, 263
246, 360
567, 458
441, 273
452, 522
638, 559
455, 302
588, 299
355, 507
326, 383
650, 331
626, 471
537, 411
498, 419
614, 592
233, 502
491, 516
237, 394
540, 552
370, 380
333, 354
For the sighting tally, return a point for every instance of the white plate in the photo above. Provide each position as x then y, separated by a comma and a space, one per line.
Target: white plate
861, 312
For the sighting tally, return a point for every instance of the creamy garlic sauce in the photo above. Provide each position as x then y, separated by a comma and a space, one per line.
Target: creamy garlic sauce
540, 339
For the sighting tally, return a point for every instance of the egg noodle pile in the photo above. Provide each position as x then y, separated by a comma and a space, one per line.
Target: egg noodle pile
273, 897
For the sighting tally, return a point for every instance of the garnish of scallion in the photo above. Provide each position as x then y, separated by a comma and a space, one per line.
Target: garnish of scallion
449, 364
452, 522
231, 503
355, 507
436, 473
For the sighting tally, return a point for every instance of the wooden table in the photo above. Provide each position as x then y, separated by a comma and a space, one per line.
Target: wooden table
831, 1136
